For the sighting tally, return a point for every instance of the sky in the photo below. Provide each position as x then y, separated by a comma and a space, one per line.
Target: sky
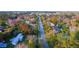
39, 5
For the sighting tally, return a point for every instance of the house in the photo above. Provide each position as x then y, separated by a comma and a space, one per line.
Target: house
1, 29
12, 21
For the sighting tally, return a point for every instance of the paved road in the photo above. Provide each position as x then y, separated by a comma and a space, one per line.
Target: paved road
42, 34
